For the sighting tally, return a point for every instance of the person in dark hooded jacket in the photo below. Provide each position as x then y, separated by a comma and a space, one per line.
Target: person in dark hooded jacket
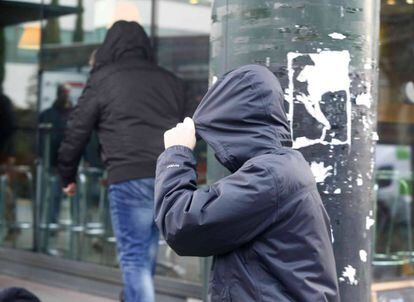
130, 101
265, 224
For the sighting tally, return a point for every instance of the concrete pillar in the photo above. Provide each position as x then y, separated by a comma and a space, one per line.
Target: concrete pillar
325, 52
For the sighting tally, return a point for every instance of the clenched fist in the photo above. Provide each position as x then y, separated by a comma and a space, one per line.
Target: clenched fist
181, 135
70, 189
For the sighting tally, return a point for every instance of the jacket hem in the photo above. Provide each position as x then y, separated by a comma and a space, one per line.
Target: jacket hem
131, 171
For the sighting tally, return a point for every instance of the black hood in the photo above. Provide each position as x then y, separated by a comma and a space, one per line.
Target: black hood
124, 39
243, 116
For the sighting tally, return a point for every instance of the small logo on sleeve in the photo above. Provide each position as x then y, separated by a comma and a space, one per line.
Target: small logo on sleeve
173, 166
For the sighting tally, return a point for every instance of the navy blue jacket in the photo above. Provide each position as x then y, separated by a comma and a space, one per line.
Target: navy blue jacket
265, 224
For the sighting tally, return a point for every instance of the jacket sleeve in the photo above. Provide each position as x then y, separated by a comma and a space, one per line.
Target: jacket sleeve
80, 125
216, 219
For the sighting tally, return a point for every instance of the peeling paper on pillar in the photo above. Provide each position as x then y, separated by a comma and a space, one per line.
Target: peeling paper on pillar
320, 83
320, 171
349, 275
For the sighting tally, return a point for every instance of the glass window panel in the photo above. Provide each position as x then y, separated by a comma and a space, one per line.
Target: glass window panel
19, 50
394, 156
182, 45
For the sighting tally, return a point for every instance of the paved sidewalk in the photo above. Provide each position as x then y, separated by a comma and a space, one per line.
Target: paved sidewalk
48, 293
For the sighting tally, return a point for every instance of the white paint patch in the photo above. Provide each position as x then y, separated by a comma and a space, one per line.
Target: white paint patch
214, 80
366, 123
320, 171
348, 275
302, 141
375, 136
364, 99
359, 181
409, 92
337, 36
328, 73
369, 222
363, 255
337, 191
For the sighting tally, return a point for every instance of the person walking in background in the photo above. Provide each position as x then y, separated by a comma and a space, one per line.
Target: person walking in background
7, 159
265, 224
56, 118
130, 101
7, 129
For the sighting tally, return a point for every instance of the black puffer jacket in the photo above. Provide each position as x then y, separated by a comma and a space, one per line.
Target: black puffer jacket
130, 101
265, 224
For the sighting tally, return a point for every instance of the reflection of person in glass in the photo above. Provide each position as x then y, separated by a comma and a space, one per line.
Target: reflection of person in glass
130, 101
7, 158
56, 117
7, 128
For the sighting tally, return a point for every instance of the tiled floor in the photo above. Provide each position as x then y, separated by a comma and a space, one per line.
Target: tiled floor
49, 294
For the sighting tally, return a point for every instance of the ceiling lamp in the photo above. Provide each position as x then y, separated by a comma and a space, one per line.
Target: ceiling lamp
30, 38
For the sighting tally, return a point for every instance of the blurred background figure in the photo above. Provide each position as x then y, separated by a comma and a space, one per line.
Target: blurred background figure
7, 129
55, 119
7, 159
130, 101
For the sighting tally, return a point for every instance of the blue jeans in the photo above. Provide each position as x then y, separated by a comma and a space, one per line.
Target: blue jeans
132, 213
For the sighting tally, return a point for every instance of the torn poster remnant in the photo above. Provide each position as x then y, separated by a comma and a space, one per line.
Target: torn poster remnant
319, 84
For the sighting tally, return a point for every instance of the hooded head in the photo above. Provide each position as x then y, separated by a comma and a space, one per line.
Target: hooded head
124, 39
243, 116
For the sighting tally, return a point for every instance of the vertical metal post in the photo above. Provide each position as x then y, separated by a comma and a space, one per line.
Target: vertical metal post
329, 52
39, 178
154, 28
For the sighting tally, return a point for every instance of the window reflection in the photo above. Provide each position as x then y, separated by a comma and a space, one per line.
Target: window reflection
394, 252
45, 67
18, 97
182, 45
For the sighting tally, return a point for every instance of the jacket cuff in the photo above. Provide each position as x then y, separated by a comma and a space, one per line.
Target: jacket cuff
66, 181
177, 150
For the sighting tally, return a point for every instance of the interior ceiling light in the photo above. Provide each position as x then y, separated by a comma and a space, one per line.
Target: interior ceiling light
410, 1
30, 38
391, 2
193, 1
